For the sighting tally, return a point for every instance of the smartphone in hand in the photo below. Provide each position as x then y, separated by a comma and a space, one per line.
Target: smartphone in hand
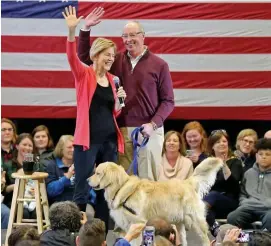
189, 152
148, 236
243, 237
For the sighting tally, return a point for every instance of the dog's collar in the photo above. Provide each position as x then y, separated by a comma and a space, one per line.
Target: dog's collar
124, 204
127, 208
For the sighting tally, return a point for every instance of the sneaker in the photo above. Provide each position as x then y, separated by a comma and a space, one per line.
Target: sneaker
215, 229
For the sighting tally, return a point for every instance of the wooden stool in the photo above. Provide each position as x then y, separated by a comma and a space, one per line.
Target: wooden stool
18, 200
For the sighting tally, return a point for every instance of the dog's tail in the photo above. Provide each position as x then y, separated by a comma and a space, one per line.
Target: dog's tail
204, 175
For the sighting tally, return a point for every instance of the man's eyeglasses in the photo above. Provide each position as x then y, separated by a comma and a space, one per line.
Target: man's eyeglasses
217, 131
6, 129
131, 35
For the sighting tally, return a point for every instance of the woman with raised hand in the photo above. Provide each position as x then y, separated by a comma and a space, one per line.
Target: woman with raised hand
223, 197
97, 136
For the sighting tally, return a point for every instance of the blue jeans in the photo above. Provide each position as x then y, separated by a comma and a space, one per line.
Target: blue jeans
4, 216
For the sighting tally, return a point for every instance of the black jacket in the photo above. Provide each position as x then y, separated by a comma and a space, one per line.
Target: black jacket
58, 238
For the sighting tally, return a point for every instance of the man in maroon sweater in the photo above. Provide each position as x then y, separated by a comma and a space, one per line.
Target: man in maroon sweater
146, 79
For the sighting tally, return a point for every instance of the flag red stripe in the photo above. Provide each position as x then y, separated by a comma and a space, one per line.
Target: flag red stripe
159, 45
117, 10
196, 80
195, 113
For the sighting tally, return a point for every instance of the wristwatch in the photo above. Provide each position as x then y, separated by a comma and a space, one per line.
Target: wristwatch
154, 126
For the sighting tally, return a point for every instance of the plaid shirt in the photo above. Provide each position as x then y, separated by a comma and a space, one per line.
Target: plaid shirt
10, 167
7, 156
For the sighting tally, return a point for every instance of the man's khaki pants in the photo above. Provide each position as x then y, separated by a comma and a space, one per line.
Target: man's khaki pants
150, 156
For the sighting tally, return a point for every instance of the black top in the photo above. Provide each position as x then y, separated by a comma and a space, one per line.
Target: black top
102, 126
231, 186
202, 157
58, 238
248, 161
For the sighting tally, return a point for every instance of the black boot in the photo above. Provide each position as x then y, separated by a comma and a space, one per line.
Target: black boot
214, 229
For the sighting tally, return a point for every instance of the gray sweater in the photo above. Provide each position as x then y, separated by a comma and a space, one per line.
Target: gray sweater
256, 188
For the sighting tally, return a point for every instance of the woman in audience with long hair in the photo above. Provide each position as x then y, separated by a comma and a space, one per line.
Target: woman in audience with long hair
8, 139
60, 182
174, 164
224, 195
23, 145
195, 142
43, 143
245, 148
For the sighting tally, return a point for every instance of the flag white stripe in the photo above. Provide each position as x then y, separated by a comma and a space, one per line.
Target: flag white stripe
183, 97
153, 28
183, 62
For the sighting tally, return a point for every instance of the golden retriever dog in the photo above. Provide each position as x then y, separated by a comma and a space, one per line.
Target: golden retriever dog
134, 200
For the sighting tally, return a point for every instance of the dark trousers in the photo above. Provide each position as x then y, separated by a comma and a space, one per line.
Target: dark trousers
244, 216
84, 162
219, 206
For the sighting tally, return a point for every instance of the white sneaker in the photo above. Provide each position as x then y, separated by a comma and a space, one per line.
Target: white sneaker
31, 206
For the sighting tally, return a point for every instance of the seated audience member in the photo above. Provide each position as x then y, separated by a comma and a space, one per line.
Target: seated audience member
268, 134
245, 148
24, 145
223, 197
60, 182
260, 238
223, 230
195, 142
174, 164
8, 139
92, 233
24, 232
162, 241
44, 145
165, 229
134, 232
255, 198
65, 218
29, 193
229, 243
4, 209
28, 243
257, 238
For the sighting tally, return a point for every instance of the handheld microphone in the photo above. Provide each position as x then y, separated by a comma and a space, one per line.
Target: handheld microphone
116, 80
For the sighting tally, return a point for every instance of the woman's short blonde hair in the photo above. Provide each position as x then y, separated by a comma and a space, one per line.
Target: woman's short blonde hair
244, 133
58, 152
99, 45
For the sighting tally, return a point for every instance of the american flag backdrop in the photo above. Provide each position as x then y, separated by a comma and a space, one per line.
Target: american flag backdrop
219, 55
